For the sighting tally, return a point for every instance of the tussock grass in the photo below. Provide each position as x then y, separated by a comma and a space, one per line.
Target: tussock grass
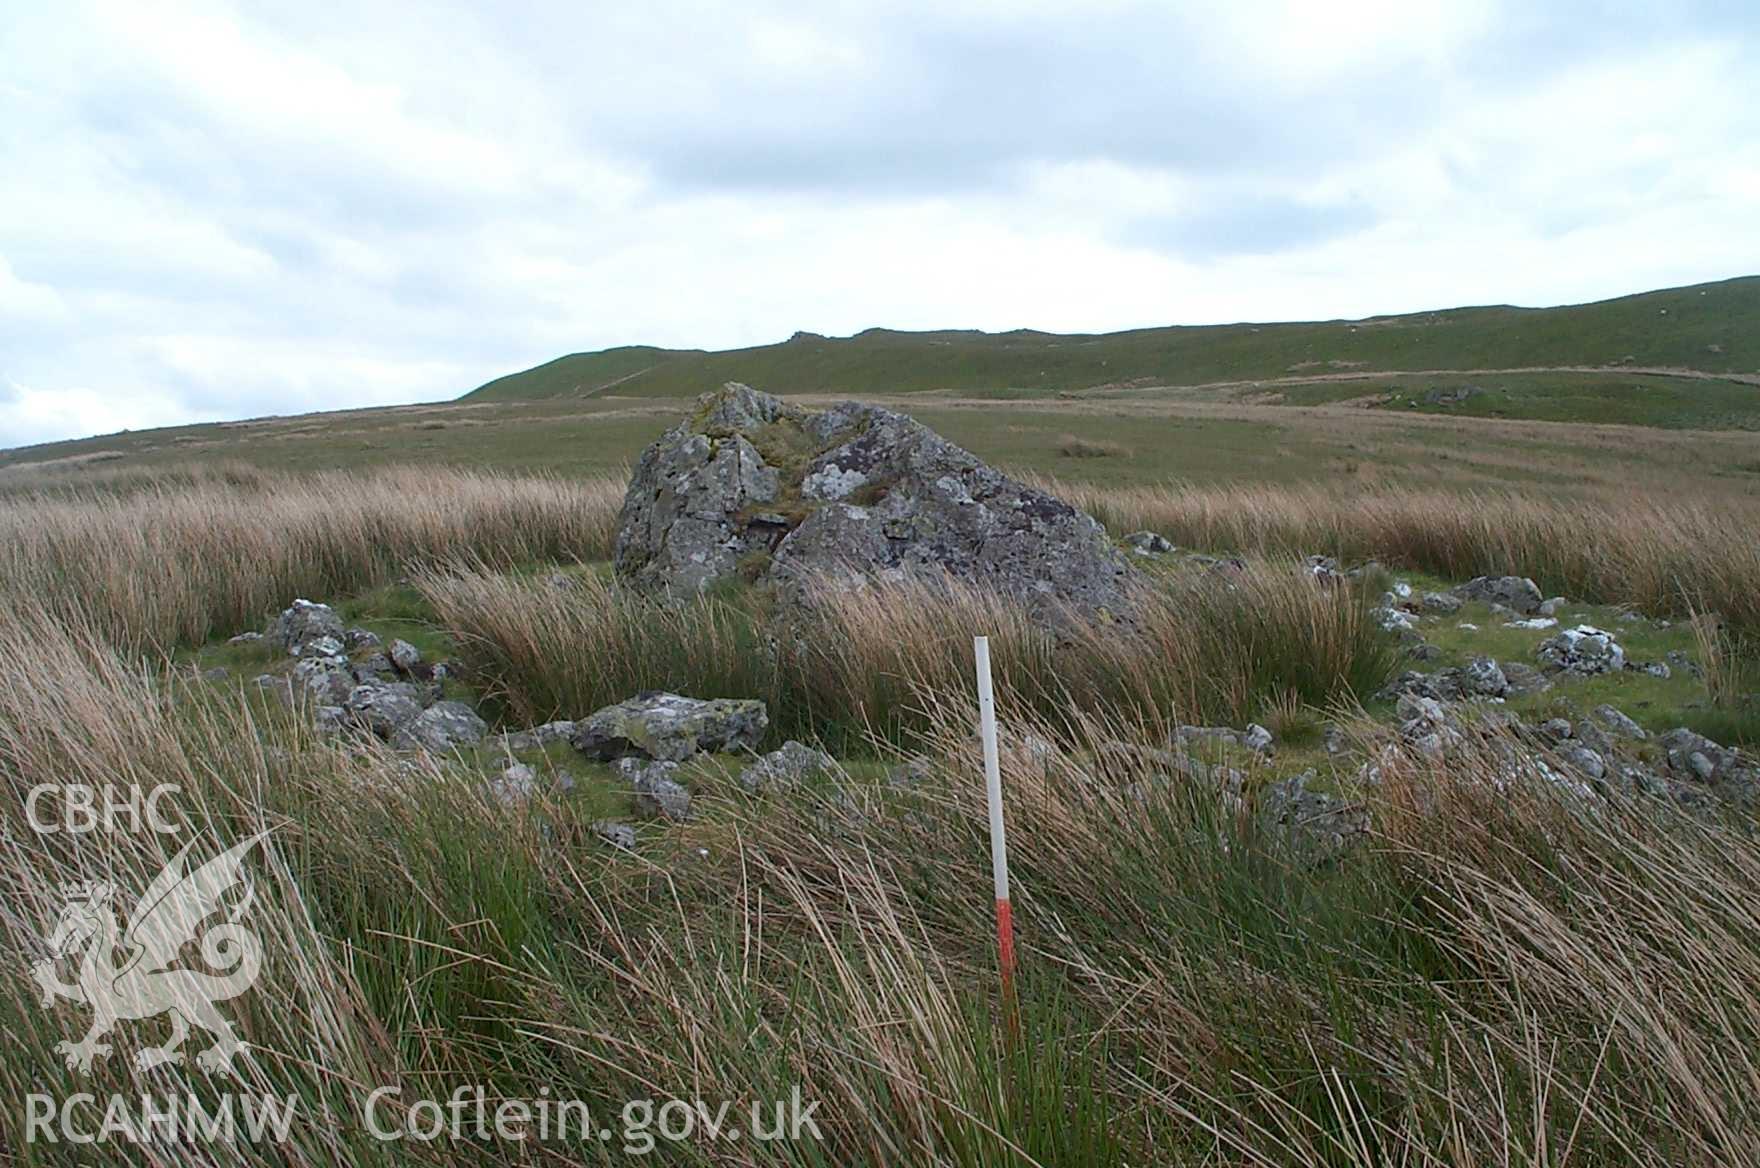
1664, 554
855, 663
178, 562
1507, 974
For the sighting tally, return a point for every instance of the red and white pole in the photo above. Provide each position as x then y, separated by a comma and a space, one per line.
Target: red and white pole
998, 839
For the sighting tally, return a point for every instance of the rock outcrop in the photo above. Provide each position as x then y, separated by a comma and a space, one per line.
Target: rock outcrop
752, 487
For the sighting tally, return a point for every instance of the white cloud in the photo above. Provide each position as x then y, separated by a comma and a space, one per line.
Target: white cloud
218, 210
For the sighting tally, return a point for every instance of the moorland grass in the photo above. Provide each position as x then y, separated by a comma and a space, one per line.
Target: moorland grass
1216, 646
1505, 974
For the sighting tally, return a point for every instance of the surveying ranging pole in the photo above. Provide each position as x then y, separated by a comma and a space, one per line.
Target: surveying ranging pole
998, 840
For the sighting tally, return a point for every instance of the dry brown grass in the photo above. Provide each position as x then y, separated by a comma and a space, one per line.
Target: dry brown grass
176, 560
1662, 553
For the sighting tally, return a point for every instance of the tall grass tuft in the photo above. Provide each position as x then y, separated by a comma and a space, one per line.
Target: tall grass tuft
1663, 554
182, 561
855, 664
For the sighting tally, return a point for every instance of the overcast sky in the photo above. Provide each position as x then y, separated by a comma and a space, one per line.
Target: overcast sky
210, 210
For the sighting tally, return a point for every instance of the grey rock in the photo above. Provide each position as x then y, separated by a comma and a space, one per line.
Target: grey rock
657, 792
1684, 663
329, 719
1582, 650
1523, 679
855, 494
1552, 606
358, 638
1424, 651
1556, 729
246, 638
326, 680
785, 767
1308, 825
619, 835
671, 727
319, 647
384, 709
218, 673
515, 785
374, 667
1586, 760
1148, 543
303, 622
1653, 668
1254, 738
1324, 569
1424, 724
538, 737
404, 655
1616, 721
1517, 593
1390, 620
1441, 603
1482, 677
442, 726
1700, 764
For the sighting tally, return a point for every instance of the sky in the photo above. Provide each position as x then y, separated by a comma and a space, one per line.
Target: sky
213, 210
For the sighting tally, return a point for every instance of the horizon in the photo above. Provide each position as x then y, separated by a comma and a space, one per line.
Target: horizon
220, 213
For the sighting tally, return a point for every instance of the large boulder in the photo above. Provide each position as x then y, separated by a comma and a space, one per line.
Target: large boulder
750, 486
670, 728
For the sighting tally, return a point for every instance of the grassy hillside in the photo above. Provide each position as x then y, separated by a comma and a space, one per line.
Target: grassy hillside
1713, 328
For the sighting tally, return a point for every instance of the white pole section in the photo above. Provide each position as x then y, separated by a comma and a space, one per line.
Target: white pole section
998, 839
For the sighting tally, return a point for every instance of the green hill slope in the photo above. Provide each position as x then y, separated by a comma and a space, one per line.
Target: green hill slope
1714, 328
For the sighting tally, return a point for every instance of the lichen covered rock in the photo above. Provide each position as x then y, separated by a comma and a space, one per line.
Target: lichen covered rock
670, 727
751, 487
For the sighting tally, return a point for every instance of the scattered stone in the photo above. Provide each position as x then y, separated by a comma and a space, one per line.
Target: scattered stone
515, 785
785, 767
1324, 569
657, 792
384, 709
1312, 826
1553, 606
1684, 663
358, 638
1424, 651
329, 719
1402, 590
1255, 737
302, 623
1148, 543
404, 655
1630, 618
1531, 622
1653, 668
1441, 603
1586, 760
1616, 721
1424, 725
1523, 679
671, 727
1517, 593
1556, 729
374, 667
245, 638
1468, 626
537, 737
442, 726
1479, 678
1583, 650
1390, 619
752, 486
217, 673
619, 835
326, 680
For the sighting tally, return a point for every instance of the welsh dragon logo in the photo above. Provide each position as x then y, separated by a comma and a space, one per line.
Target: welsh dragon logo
125, 978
